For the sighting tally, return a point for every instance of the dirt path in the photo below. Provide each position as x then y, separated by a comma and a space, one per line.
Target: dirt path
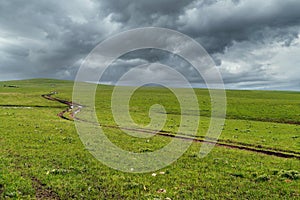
70, 105
74, 108
247, 147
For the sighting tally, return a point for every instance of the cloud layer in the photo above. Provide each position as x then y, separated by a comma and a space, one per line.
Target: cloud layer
254, 43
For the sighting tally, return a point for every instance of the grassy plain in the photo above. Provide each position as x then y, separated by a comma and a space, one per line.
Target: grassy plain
42, 156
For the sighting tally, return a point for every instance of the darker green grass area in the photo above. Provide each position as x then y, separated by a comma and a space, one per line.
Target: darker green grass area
42, 155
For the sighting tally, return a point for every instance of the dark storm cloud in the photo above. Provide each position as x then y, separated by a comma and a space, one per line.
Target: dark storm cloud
217, 25
148, 56
49, 36
231, 31
143, 12
213, 23
250, 40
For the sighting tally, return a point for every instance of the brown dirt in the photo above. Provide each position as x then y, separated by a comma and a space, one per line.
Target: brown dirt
68, 103
41, 191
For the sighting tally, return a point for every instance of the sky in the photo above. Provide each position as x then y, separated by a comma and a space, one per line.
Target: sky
255, 44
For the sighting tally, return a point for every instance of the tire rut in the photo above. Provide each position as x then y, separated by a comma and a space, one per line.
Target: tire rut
74, 108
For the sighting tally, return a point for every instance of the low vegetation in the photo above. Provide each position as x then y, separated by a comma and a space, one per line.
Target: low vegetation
41, 155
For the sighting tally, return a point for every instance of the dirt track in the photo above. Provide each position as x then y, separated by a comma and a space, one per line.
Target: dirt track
74, 108
70, 105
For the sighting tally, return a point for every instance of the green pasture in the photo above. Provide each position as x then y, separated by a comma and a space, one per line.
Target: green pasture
41, 155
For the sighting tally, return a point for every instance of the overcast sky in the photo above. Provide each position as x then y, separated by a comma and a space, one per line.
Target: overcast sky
254, 43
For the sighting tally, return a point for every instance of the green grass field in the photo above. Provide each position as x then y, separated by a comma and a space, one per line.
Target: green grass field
41, 155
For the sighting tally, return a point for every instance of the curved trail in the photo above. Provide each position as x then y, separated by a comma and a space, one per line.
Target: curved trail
74, 108
70, 105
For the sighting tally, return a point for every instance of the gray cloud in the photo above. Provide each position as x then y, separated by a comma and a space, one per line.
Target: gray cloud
147, 57
254, 43
49, 37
